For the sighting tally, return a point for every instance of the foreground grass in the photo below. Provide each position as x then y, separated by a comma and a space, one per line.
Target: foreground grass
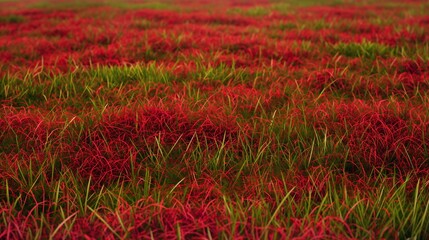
174, 190
151, 166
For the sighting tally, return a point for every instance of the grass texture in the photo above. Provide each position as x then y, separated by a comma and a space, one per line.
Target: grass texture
214, 119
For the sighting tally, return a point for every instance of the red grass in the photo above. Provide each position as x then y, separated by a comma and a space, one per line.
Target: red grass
108, 150
383, 140
320, 114
22, 130
377, 137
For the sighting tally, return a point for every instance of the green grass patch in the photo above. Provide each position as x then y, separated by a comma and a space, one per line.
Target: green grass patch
285, 6
80, 5
12, 19
364, 50
251, 12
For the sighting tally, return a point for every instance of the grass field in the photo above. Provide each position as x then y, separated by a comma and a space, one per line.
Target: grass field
209, 119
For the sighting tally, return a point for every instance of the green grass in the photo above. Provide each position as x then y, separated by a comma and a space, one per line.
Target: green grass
285, 5
124, 5
363, 50
12, 19
252, 12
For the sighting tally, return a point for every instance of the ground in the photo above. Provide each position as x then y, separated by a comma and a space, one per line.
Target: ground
214, 119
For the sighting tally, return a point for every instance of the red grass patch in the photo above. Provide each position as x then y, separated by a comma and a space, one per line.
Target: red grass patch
328, 79
109, 149
376, 136
384, 140
22, 130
